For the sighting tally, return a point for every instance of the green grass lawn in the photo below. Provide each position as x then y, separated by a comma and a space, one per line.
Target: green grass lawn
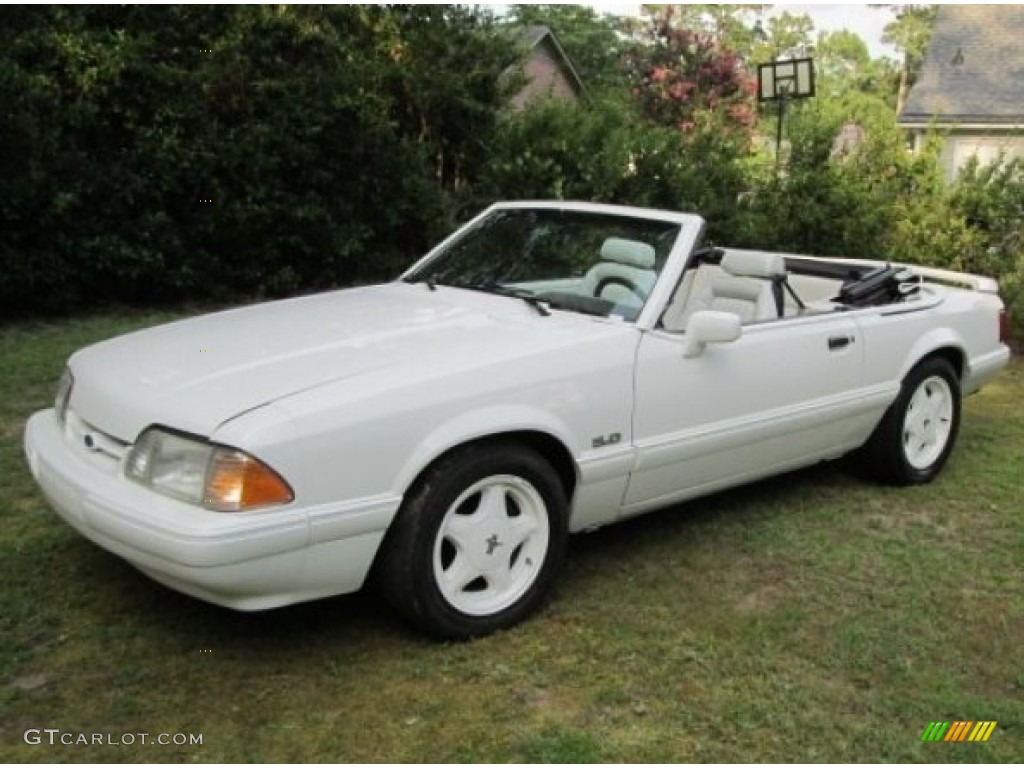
814, 617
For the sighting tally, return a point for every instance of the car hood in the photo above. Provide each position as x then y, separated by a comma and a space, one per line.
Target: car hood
196, 374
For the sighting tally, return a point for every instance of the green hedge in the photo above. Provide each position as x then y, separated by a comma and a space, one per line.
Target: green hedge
169, 153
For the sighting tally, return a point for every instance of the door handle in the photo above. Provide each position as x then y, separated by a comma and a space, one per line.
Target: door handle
838, 342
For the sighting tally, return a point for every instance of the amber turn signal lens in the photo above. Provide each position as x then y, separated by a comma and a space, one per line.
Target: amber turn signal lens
237, 481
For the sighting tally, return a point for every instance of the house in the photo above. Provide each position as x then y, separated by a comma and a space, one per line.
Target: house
548, 71
971, 85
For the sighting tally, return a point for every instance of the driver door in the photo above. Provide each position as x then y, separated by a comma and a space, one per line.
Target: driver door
782, 395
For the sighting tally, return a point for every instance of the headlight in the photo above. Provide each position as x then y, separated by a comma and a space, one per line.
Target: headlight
214, 476
63, 396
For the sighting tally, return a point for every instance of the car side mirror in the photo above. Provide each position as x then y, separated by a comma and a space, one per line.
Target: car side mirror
707, 327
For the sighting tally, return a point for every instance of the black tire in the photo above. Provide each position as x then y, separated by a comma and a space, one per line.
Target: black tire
432, 537
889, 455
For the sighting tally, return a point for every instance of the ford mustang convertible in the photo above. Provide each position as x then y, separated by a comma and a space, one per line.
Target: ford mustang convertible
549, 368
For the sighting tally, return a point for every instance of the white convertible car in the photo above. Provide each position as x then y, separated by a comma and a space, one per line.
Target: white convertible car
549, 368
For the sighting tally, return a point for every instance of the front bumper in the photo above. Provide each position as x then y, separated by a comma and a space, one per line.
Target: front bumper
243, 560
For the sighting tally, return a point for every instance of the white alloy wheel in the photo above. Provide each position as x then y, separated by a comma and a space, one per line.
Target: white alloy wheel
478, 541
491, 545
928, 421
913, 440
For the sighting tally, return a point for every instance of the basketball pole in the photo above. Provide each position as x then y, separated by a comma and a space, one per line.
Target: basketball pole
778, 131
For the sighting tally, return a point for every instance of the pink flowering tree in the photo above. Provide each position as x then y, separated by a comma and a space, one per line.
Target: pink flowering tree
687, 79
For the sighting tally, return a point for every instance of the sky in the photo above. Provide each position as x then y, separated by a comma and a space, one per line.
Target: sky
865, 21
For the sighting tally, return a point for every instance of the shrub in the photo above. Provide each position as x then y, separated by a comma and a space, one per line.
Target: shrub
161, 153
605, 153
990, 200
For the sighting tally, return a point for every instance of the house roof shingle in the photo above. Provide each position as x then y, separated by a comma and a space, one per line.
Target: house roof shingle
974, 68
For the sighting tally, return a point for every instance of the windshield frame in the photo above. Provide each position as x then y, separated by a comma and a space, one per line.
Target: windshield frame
689, 225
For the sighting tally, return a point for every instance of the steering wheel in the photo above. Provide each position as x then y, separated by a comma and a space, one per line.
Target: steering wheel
619, 280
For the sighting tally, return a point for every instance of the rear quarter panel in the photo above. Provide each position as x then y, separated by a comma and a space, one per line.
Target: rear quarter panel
897, 337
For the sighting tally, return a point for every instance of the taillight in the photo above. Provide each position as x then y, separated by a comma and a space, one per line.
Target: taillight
1004, 326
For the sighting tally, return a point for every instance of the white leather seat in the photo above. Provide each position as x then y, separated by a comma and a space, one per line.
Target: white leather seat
623, 263
748, 287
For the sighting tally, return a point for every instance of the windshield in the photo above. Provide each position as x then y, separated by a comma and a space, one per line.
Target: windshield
597, 264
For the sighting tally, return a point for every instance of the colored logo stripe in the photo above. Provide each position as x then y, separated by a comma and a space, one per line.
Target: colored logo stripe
982, 731
960, 730
934, 731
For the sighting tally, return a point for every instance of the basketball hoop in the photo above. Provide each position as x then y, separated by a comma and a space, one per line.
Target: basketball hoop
781, 81
790, 79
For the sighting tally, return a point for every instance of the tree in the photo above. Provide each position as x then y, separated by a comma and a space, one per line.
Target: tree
592, 41
680, 75
910, 32
843, 63
445, 67
731, 26
788, 34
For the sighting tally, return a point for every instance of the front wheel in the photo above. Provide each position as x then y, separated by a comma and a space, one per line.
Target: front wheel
477, 543
917, 433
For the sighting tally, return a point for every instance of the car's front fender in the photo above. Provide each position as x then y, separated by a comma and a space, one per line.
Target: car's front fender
474, 425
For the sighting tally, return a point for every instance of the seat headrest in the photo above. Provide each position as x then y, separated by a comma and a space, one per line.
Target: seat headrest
754, 264
630, 252
747, 289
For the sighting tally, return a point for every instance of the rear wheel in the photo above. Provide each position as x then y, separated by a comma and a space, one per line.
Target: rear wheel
917, 433
477, 543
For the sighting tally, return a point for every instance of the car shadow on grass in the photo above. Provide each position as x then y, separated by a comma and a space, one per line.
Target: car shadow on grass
126, 595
